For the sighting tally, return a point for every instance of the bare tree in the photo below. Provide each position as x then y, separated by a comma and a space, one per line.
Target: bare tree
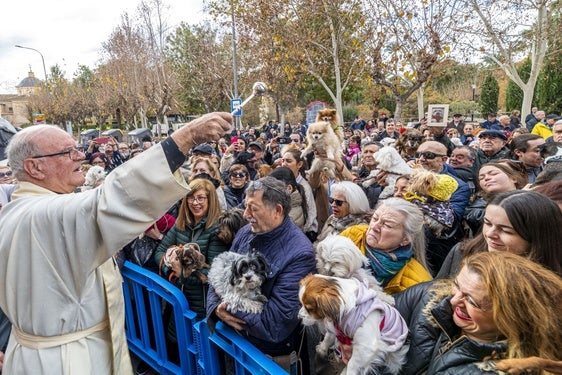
411, 39
322, 39
507, 32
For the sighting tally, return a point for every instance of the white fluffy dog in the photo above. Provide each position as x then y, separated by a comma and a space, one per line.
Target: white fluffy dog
94, 177
354, 315
388, 160
338, 256
237, 279
322, 138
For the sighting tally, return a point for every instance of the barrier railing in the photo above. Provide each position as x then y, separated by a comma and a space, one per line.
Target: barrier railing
145, 293
199, 351
247, 359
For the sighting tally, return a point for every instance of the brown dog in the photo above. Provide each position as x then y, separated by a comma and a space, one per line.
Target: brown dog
192, 260
331, 116
408, 143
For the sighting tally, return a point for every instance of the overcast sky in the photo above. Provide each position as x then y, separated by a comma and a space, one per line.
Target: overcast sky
66, 32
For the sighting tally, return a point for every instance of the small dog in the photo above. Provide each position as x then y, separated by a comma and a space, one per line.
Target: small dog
408, 143
238, 278
321, 138
264, 170
192, 260
353, 314
338, 256
229, 223
331, 116
431, 190
94, 177
390, 161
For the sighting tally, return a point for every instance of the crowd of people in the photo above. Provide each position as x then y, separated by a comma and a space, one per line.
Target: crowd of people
463, 235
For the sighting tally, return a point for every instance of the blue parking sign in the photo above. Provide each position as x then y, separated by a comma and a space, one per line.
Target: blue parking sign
235, 106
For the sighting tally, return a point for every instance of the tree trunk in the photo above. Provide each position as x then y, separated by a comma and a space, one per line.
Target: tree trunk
421, 106
398, 111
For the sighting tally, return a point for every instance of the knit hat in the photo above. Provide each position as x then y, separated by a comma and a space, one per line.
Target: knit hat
427, 184
444, 189
164, 224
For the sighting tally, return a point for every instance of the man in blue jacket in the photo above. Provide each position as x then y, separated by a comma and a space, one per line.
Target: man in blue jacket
290, 255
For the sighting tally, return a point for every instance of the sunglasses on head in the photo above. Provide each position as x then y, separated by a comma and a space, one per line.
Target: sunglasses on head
428, 155
8, 174
338, 202
238, 174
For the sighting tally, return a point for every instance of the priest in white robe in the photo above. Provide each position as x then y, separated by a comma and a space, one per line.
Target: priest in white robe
59, 285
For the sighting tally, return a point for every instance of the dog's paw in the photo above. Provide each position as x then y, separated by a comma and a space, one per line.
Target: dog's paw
253, 307
322, 350
261, 298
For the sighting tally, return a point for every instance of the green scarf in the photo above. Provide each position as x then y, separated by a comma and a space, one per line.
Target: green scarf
387, 264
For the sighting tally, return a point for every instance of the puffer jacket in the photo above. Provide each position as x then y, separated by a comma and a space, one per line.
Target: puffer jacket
211, 246
291, 257
411, 274
436, 343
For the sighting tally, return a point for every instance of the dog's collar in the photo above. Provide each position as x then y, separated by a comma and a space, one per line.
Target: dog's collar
345, 340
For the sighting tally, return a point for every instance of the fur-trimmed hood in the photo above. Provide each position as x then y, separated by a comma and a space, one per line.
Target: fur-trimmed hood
436, 343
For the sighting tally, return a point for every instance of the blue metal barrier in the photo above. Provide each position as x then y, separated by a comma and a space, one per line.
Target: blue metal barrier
144, 289
247, 359
145, 293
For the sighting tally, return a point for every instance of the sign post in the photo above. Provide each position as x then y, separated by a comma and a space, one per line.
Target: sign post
235, 106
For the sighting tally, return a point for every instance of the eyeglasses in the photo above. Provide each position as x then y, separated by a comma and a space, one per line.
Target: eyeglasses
238, 174
427, 155
466, 297
74, 154
199, 199
296, 140
338, 202
6, 174
260, 185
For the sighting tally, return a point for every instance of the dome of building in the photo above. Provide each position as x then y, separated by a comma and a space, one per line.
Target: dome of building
30, 81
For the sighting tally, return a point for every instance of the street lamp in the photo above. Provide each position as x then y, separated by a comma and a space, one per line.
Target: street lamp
42, 59
473, 99
234, 66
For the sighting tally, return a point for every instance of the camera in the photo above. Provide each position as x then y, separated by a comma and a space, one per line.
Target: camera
284, 140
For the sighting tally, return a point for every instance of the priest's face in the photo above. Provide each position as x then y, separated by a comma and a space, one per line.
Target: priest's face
59, 173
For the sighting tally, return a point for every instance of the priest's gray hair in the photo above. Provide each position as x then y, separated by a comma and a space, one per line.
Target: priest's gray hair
24, 144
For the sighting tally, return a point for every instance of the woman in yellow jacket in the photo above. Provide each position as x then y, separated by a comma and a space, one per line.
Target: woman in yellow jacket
394, 242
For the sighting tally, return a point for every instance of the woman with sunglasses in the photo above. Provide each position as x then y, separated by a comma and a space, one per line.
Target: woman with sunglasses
521, 222
7, 185
349, 206
499, 305
235, 191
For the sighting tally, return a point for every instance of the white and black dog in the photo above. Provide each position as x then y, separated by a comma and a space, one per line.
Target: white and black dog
237, 279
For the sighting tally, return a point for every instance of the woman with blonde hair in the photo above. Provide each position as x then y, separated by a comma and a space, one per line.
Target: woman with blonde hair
499, 306
196, 222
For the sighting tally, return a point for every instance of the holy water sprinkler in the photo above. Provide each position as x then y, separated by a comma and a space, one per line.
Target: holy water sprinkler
259, 89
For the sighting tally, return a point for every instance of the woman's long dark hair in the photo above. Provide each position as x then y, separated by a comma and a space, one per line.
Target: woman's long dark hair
286, 175
536, 219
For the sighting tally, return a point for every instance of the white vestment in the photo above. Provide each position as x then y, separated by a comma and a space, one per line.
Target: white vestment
57, 274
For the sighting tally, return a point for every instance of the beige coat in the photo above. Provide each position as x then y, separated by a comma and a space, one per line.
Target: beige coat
57, 274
